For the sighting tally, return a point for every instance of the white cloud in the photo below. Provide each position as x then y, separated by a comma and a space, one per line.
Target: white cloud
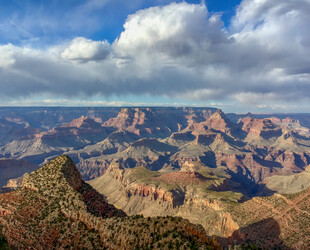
84, 50
280, 28
173, 32
178, 50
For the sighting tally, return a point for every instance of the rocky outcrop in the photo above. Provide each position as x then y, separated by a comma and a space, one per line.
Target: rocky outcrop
91, 169
132, 189
182, 178
222, 163
159, 122
33, 150
56, 209
186, 136
195, 135
142, 191
261, 221
16, 182
61, 169
227, 225
141, 121
215, 122
80, 132
77, 123
75, 135
219, 122
155, 194
146, 152
293, 161
206, 139
261, 127
248, 154
292, 124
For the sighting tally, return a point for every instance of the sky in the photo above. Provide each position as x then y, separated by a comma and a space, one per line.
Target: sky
237, 55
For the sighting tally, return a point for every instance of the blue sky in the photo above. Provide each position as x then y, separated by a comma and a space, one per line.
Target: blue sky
43, 22
236, 55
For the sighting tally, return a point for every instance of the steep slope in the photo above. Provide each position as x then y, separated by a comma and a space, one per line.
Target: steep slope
186, 193
116, 142
225, 144
56, 209
16, 182
179, 138
149, 153
158, 122
218, 121
278, 221
289, 184
291, 124
259, 133
302, 118
289, 141
32, 149
262, 127
141, 121
74, 135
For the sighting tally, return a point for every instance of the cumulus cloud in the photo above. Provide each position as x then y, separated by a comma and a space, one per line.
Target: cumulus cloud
84, 50
174, 32
262, 53
279, 27
178, 50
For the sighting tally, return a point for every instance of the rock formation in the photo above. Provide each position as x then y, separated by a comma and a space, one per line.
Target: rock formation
277, 221
198, 163
56, 209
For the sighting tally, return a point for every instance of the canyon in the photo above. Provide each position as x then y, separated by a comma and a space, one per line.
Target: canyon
57, 207
230, 173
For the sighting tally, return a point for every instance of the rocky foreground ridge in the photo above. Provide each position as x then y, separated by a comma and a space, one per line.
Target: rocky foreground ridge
54, 208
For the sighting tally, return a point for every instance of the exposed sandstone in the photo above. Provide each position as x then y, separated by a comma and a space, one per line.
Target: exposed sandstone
185, 178
218, 121
262, 221
261, 127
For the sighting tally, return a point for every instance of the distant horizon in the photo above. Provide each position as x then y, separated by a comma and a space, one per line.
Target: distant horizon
120, 107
